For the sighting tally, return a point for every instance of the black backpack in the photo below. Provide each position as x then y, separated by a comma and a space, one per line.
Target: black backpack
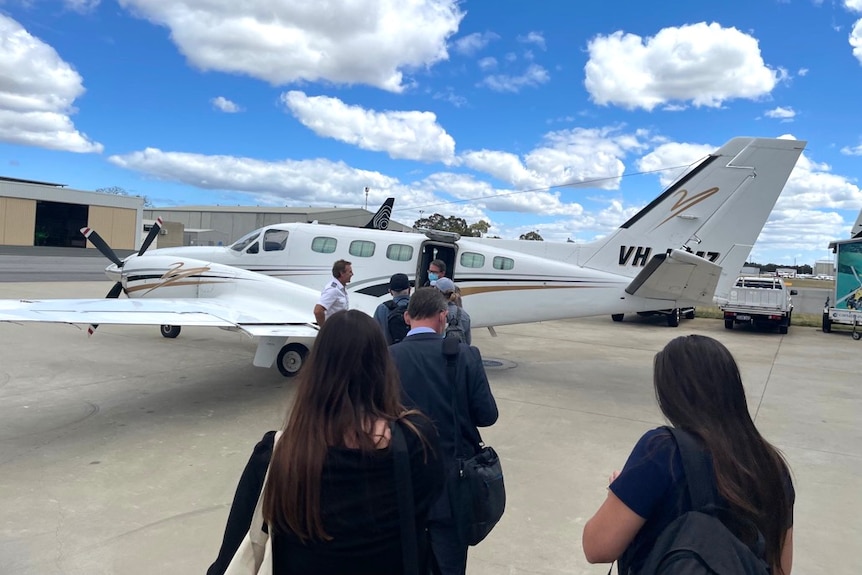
454, 329
398, 328
697, 542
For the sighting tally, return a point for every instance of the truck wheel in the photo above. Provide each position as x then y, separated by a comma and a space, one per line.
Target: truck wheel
782, 329
728, 324
673, 318
617, 316
827, 323
857, 335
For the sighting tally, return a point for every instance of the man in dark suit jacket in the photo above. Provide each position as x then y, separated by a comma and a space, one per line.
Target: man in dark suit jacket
425, 383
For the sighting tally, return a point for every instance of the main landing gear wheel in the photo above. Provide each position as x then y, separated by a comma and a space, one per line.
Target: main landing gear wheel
673, 318
291, 358
617, 317
728, 324
170, 331
827, 323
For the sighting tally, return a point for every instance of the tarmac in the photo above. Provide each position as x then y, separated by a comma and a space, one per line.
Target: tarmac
120, 453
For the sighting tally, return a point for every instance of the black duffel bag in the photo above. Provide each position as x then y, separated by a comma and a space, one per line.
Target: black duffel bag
477, 495
476, 491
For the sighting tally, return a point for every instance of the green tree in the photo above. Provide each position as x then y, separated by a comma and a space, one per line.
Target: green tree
532, 236
452, 224
118, 191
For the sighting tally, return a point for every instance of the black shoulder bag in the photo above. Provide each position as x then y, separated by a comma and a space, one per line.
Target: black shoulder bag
476, 492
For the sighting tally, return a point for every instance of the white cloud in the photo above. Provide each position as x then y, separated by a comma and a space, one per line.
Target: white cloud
673, 159
813, 186
37, 92
408, 135
449, 95
487, 63
856, 40
82, 6
308, 181
802, 72
852, 151
700, 63
565, 157
472, 43
853, 5
533, 76
781, 113
483, 196
533, 38
345, 41
225, 105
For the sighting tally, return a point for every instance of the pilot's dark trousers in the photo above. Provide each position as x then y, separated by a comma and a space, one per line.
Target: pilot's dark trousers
449, 554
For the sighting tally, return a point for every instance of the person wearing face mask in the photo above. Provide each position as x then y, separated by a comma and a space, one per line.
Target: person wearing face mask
425, 386
436, 270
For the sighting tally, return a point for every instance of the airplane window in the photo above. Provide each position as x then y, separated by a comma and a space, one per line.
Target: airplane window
501, 263
323, 245
253, 248
472, 260
361, 249
399, 252
274, 240
244, 241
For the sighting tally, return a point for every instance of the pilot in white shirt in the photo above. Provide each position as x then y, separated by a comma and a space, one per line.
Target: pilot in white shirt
334, 298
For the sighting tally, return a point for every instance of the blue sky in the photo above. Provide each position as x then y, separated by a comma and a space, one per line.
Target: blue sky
478, 109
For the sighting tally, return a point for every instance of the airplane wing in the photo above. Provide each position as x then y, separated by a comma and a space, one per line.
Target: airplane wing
253, 317
679, 276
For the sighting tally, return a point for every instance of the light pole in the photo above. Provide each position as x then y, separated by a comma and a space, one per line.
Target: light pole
366, 198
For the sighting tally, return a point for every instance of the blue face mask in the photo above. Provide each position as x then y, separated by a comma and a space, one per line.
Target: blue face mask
432, 277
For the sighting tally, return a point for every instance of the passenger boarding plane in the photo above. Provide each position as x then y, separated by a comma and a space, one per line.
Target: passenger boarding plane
685, 248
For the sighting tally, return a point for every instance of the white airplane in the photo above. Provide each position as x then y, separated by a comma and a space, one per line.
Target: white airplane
685, 248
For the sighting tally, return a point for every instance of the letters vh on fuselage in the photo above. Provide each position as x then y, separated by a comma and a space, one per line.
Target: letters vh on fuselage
638, 256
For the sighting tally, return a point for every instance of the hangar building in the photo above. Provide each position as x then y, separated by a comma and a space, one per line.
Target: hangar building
36, 213
222, 225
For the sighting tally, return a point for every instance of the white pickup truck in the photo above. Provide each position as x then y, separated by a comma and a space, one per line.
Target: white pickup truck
759, 301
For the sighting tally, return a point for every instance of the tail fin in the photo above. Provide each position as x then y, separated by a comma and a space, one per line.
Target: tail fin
380, 221
716, 211
856, 231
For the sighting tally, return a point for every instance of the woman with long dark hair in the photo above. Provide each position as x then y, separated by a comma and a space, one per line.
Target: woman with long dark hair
330, 502
699, 390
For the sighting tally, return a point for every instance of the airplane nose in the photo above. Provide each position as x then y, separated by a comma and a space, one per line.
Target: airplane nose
114, 273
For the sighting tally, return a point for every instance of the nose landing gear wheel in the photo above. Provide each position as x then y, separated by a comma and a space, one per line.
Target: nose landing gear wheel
291, 358
170, 331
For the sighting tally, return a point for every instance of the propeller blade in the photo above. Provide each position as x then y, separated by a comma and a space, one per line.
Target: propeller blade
115, 292
116, 289
101, 245
154, 231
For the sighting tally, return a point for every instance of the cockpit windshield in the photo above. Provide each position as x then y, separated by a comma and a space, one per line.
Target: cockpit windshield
244, 241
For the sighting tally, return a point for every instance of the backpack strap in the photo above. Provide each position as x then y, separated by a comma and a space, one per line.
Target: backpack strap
451, 349
404, 494
390, 305
698, 477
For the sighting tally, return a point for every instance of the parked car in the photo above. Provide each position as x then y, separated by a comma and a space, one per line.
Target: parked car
672, 315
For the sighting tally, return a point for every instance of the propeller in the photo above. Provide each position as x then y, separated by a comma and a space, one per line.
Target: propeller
101, 245
106, 251
154, 231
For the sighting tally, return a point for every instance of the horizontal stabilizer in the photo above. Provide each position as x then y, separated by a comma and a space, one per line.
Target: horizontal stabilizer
679, 276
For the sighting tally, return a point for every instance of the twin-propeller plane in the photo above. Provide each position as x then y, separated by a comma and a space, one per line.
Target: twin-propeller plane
685, 248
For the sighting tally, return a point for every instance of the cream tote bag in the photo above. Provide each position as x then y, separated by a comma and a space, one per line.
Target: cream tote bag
254, 555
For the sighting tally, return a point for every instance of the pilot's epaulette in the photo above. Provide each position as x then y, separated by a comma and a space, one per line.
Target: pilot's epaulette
334, 284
